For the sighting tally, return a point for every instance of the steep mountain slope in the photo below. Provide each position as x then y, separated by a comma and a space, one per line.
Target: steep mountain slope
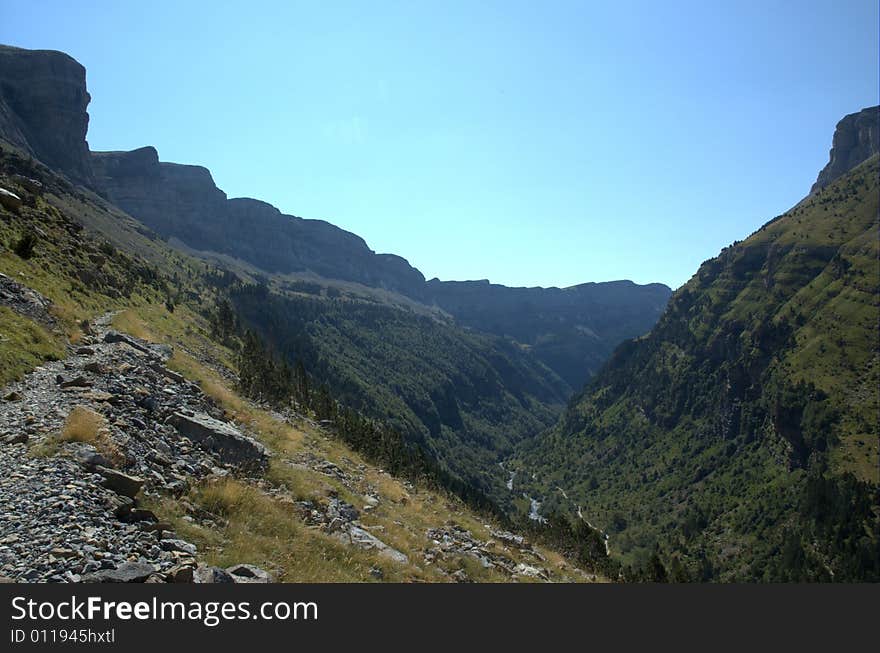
98, 480
465, 398
181, 201
740, 436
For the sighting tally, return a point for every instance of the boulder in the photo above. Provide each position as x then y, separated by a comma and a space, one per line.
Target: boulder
78, 382
178, 545
363, 539
230, 444
87, 456
115, 336
121, 506
206, 574
141, 515
9, 200
244, 573
127, 572
120, 482
95, 367
180, 574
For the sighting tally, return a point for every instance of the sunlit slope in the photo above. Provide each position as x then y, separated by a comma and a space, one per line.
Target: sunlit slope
741, 434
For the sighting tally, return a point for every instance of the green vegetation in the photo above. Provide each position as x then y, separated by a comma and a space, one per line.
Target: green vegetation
739, 439
463, 400
24, 344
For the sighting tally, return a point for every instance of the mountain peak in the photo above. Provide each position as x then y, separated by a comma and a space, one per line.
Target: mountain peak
856, 139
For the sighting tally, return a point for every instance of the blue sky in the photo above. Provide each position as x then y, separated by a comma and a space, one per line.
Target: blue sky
530, 143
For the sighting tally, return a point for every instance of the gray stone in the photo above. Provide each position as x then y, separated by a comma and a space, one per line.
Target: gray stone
120, 482
129, 572
115, 336
221, 437
9, 200
363, 539
87, 456
178, 545
180, 574
206, 574
78, 382
243, 573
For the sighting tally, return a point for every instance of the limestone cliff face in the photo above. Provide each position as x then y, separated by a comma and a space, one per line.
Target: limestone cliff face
571, 330
183, 202
43, 102
856, 139
175, 200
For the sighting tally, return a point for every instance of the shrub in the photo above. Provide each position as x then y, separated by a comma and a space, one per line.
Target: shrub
24, 247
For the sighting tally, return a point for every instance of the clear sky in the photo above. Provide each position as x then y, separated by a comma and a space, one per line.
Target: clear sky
531, 143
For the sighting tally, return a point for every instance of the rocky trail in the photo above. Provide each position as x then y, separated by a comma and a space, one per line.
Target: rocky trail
69, 510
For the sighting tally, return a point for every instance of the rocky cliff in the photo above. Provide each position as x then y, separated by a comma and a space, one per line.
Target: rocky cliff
856, 139
43, 102
571, 330
182, 201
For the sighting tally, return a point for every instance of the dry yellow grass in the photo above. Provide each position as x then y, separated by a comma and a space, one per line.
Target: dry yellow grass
85, 425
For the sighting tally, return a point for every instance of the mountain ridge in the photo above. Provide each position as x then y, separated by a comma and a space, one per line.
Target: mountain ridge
182, 202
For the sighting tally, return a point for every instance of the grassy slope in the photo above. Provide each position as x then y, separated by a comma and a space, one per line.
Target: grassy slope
699, 437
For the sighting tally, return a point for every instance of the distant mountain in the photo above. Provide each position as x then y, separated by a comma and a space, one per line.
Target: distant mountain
43, 100
571, 330
739, 439
181, 201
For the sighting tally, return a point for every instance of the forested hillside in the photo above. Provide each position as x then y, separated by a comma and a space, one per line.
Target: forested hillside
739, 439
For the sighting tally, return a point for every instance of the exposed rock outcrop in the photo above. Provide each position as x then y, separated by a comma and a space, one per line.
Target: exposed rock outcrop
221, 437
177, 201
182, 201
856, 139
43, 102
571, 330
25, 301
